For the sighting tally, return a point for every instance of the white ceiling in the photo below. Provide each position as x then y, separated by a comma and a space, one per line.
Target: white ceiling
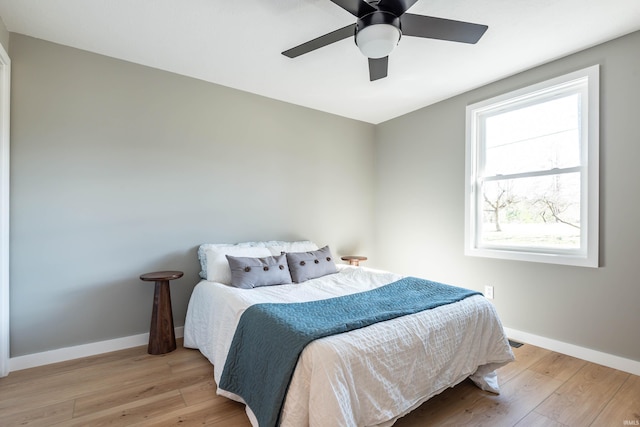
238, 44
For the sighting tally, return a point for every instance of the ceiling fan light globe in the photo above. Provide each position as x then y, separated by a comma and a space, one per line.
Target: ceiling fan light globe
378, 40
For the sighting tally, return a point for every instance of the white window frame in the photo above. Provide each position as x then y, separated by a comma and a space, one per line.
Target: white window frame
587, 255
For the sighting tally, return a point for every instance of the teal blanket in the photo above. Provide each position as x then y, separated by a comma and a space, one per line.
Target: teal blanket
270, 337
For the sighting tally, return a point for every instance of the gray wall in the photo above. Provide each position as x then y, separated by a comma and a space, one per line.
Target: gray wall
4, 35
119, 170
420, 211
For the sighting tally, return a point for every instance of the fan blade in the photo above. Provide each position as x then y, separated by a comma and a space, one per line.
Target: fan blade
441, 29
378, 68
397, 7
321, 41
357, 8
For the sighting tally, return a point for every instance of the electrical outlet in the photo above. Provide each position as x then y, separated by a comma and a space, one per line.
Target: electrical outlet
488, 292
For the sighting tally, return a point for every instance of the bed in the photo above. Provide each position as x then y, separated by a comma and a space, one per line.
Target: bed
369, 376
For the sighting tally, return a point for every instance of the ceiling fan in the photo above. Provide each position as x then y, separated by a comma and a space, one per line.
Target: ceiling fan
379, 27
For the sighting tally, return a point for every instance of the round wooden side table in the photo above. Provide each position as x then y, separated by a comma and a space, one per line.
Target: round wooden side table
354, 259
162, 337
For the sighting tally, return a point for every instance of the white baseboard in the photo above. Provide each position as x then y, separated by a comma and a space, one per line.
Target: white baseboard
606, 359
69, 353
76, 352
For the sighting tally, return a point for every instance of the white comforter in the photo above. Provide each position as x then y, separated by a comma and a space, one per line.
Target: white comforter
366, 377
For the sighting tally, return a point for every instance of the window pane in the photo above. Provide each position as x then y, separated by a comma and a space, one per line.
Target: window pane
533, 138
533, 212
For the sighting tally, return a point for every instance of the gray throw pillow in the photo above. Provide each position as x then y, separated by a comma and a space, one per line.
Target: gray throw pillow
309, 265
248, 273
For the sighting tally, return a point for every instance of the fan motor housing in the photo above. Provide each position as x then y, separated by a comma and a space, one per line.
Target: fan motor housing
378, 17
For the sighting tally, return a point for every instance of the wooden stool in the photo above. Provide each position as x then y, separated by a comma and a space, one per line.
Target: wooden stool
162, 337
354, 259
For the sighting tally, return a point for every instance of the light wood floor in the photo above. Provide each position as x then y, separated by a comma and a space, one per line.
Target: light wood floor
130, 387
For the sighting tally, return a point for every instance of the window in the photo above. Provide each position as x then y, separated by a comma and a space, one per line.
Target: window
532, 173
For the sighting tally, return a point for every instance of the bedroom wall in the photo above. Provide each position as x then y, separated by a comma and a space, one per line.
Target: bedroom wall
420, 224
4, 35
120, 169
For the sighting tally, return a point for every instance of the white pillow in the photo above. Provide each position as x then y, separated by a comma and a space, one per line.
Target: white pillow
217, 267
277, 247
202, 254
